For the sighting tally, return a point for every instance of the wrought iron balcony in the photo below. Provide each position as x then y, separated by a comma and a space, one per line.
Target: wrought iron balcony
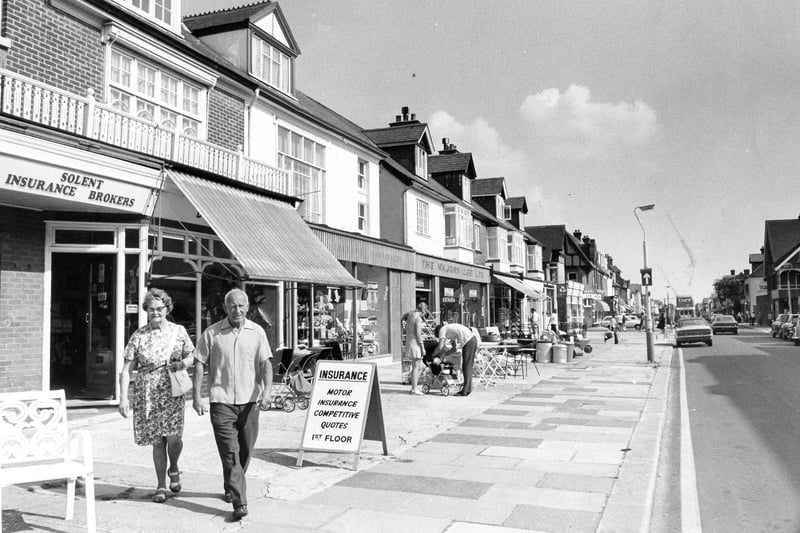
39, 103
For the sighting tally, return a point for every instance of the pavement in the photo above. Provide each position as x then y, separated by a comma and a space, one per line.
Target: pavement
574, 448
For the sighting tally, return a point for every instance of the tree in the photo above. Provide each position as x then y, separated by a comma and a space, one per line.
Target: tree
730, 292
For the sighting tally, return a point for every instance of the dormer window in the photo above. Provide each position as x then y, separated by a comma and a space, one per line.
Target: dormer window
421, 163
271, 65
466, 189
163, 12
506, 212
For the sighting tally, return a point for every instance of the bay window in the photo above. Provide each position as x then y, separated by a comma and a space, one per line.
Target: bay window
457, 226
304, 160
498, 244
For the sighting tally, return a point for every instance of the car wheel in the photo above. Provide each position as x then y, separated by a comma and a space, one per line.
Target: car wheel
677, 344
736, 332
797, 342
773, 334
710, 343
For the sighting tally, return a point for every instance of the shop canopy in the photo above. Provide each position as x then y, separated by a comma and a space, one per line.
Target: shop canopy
268, 237
519, 286
602, 306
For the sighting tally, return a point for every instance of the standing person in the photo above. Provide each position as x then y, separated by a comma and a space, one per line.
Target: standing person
415, 347
554, 322
157, 415
454, 336
614, 327
238, 355
535, 323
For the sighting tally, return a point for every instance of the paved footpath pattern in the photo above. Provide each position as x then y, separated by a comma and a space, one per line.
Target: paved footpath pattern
575, 449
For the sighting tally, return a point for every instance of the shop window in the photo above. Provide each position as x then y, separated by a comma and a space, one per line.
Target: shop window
74, 236
217, 280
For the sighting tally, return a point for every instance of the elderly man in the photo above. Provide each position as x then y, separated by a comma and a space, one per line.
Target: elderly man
451, 338
238, 355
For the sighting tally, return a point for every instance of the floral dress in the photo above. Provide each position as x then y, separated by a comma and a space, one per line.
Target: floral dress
156, 413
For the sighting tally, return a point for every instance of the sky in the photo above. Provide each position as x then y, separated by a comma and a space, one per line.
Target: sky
588, 109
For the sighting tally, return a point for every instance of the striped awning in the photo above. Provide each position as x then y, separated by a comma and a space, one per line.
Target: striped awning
519, 286
267, 236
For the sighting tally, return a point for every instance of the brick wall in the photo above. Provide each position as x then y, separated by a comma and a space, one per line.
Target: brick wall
21, 293
225, 120
54, 48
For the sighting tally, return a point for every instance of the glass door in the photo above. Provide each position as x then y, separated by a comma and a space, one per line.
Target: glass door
83, 325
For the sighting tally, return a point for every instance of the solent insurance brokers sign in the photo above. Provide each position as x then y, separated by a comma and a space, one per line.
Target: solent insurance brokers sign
345, 408
74, 185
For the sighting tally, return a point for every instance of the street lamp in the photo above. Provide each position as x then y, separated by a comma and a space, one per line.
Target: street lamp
648, 314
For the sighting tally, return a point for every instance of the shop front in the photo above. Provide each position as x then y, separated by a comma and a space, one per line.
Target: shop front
512, 301
75, 224
454, 292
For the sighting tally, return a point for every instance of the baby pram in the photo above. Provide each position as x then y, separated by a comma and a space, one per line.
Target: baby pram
440, 375
292, 385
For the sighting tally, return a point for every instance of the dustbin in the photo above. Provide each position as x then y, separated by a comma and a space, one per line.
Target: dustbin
559, 353
543, 351
570, 350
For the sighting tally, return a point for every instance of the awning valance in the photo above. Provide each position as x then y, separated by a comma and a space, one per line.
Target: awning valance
602, 306
268, 237
532, 286
518, 285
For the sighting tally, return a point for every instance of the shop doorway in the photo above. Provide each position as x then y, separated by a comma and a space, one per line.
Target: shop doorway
82, 318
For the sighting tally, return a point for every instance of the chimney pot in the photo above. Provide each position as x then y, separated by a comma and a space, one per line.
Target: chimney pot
405, 110
413, 116
733, 272
397, 118
445, 142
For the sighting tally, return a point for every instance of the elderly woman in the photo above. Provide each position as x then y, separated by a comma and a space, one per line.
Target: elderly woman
157, 415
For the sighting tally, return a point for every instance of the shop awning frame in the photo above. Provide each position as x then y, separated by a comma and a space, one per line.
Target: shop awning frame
519, 286
267, 236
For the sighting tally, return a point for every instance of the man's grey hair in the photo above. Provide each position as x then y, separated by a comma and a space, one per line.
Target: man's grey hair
236, 291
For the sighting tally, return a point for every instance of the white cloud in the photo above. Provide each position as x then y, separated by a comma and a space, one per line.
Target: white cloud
493, 158
572, 125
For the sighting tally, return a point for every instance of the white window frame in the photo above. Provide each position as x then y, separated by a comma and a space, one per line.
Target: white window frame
304, 159
466, 189
476, 237
363, 176
458, 226
421, 162
279, 66
516, 249
363, 218
136, 85
534, 258
497, 238
423, 218
154, 11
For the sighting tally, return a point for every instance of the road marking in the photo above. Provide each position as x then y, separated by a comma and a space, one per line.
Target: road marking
690, 506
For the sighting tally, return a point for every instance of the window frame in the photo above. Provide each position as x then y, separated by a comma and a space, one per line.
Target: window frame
363, 217
134, 85
304, 159
423, 218
151, 9
280, 64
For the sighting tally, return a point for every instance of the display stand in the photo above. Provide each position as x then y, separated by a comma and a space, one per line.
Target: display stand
345, 409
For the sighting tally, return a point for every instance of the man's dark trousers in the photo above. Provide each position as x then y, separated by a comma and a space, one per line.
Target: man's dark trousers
467, 361
235, 430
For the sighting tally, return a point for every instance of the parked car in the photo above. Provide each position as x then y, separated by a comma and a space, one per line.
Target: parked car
692, 330
788, 326
633, 321
724, 324
778, 322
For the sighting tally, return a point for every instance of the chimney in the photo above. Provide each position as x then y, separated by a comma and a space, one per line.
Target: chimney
445, 143
733, 272
404, 110
747, 272
577, 233
586, 239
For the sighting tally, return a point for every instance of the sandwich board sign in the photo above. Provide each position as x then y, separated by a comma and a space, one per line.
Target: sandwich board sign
345, 408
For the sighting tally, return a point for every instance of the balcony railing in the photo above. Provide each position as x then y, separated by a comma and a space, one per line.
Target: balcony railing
39, 103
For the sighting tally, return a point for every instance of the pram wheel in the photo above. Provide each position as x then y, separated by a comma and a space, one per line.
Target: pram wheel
445, 391
425, 388
302, 403
587, 348
288, 405
278, 402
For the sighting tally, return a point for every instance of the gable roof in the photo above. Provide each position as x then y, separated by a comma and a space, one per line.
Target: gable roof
554, 239
489, 187
781, 241
239, 17
456, 162
518, 202
401, 135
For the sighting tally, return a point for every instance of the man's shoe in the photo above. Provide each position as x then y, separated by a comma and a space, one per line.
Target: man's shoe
239, 512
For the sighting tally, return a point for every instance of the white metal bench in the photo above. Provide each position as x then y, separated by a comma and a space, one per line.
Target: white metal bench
36, 445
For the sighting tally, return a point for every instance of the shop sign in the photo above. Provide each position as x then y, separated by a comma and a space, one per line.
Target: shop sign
344, 409
451, 269
73, 185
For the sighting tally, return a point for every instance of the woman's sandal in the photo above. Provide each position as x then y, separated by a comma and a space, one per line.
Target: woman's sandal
175, 481
160, 496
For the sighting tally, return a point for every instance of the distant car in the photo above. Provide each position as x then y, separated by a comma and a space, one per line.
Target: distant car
604, 322
724, 324
633, 321
691, 330
778, 322
788, 326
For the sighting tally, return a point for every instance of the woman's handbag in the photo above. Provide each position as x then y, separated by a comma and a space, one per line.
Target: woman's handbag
181, 382
179, 379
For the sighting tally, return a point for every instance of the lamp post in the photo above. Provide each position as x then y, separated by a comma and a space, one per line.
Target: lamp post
666, 311
648, 314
